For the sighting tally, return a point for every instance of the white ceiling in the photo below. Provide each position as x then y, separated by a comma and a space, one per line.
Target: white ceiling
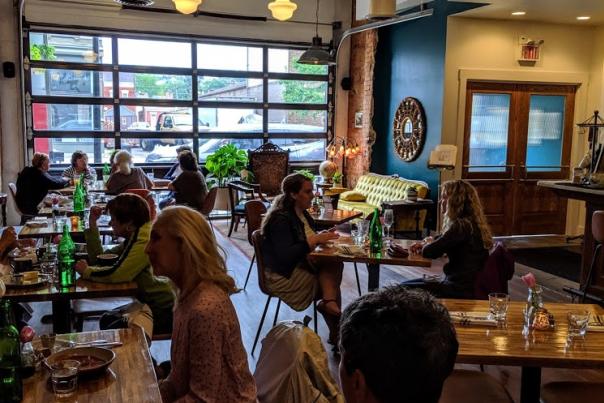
553, 11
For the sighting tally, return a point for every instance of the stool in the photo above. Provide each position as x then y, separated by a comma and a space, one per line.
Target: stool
571, 392
3, 201
473, 387
597, 231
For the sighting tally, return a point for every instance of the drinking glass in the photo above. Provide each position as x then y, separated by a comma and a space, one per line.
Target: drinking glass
64, 377
363, 230
357, 237
577, 323
388, 221
498, 306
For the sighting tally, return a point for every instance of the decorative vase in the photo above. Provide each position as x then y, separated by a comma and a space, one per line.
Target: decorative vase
534, 303
327, 169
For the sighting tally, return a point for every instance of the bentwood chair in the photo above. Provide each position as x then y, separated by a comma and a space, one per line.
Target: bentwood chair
257, 242
254, 209
597, 231
208, 205
145, 194
571, 392
239, 193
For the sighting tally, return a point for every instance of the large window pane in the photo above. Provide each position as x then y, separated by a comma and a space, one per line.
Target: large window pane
303, 149
545, 133
297, 121
156, 118
238, 120
155, 86
230, 89
208, 146
142, 52
71, 83
60, 149
73, 118
489, 132
297, 92
70, 48
229, 57
154, 150
286, 61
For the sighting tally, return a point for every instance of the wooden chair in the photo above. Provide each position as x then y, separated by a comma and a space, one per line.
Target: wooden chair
208, 205
13, 192
250, 191
269, 164
597, 231
473, 387
253, 215
146, 194
571, 392
257, 242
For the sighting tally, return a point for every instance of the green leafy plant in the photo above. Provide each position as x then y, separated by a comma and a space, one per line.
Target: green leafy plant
337, 177
226, 162
308, 174
42, 52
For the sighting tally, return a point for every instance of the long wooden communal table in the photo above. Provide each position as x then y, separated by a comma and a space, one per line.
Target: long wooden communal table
330, 252
50, 231
159, 185
130, 378
540, 349
61, 297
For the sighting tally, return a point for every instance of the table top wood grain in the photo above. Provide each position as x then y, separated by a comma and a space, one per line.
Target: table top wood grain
51, 230
130, 378
82, 289
334, 217
331, 252
159, 185
541, 348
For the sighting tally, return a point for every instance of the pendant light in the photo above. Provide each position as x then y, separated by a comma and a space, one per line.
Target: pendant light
186, 6
316, 54
282, 10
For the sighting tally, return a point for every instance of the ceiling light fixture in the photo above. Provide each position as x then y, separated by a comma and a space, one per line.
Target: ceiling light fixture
186, 6
282, 10
316, 54
583, 17
519, 13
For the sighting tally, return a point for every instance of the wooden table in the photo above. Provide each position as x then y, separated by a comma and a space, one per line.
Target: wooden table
61, 298
507, 346
329, 218
130, 378
159, 185
406, 205
330, 253
50, 231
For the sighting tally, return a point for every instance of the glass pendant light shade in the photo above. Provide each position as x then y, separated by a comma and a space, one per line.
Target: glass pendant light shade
186, 6
282, 10
316, 54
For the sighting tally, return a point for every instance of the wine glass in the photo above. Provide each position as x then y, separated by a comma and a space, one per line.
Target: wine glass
388, 221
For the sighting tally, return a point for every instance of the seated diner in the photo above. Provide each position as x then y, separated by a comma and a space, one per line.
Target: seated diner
190, 188
79, 166
126, 176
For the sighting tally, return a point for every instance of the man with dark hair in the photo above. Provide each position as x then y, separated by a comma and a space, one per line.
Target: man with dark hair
189, 187
397, 345
175, 169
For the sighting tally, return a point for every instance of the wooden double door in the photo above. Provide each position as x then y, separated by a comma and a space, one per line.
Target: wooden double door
515, 135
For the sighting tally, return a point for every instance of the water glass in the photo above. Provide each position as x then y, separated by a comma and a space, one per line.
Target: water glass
498, 306
64, 377
577, 323
357, 237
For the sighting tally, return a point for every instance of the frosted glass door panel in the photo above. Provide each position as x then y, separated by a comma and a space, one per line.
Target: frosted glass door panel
545, 133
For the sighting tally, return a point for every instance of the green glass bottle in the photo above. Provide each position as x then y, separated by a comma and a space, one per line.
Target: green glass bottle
106, 172
11, 384
66, 252
79, 198
375, 234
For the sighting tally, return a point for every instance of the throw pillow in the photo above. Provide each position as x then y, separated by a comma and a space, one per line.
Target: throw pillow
353, 196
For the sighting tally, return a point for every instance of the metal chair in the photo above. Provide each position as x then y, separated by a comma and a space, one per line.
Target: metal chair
250, 191
269, 164
257, 242
254, 209
597, 231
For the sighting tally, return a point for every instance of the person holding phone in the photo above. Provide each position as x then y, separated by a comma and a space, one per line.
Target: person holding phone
288, 238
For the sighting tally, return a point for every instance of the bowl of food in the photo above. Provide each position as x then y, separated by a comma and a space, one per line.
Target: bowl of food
93, 360
107, 259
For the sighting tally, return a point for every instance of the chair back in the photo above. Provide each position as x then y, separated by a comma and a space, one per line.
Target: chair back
270, 164
498, 270
145, 194
257, 243
597, 226
253, 215
13, 192
208, 203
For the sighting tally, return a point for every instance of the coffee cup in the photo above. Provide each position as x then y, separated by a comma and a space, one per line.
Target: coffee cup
107, 259
21, 264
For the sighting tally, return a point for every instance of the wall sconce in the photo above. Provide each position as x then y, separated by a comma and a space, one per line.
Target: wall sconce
282, 10
187, 6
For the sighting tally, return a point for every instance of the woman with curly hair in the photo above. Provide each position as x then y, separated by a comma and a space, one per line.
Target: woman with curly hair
466, 240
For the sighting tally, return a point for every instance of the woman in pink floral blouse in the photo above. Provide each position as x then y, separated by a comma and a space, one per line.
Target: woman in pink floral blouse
209, 363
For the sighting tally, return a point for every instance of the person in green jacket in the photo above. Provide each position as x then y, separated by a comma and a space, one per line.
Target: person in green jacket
130, 219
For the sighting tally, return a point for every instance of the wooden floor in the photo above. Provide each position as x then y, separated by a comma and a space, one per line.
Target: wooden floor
250, 303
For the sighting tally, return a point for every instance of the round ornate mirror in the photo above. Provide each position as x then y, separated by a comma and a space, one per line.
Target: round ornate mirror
409, 129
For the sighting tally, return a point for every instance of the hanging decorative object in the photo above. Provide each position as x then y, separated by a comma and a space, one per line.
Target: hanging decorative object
186, 6
409, 129
282, 10
316, 54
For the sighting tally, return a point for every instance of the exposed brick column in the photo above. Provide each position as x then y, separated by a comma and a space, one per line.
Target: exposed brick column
360, 99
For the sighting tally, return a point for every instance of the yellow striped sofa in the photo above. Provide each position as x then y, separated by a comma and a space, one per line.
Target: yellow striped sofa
380, 188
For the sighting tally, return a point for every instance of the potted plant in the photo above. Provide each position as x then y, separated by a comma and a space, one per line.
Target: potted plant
225, 163
337, 179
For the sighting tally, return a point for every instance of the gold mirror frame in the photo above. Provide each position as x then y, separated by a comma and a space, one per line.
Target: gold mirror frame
409, 129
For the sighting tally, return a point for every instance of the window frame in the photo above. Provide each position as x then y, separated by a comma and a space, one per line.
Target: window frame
116, 101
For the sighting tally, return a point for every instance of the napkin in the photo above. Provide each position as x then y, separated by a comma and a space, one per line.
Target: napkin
597, 325
472, 318
350, 250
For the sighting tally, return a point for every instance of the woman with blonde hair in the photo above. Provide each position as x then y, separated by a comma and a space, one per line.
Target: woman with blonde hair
209, 363
126, 176
466, 240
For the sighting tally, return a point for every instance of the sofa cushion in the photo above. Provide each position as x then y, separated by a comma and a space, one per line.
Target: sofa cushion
353, 196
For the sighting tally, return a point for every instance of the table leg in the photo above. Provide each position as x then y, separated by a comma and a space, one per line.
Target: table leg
418, 235
4, 222
373, 274
530, 385
61, 316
